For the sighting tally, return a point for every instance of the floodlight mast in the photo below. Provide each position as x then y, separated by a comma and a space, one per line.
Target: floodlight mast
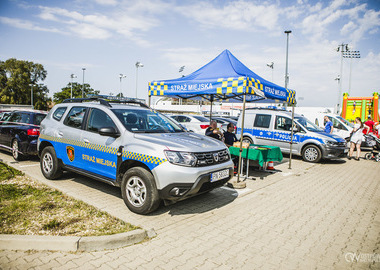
341, 48
351, 54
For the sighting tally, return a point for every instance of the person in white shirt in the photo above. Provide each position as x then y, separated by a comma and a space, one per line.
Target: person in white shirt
357, 138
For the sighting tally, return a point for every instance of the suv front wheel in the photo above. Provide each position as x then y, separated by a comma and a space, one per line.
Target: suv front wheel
139, 191
49, 163
312, 153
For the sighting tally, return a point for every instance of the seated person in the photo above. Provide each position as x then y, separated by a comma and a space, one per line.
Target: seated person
229, 135
213, 131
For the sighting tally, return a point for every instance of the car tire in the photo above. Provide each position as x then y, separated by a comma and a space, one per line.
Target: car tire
15, 151
247, 139
49, 163
139, 191
312, 153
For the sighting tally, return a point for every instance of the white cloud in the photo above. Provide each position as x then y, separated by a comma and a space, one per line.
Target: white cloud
107, 2
89, 31
28, 25
237, 15
347, 28
370, 22
103, 26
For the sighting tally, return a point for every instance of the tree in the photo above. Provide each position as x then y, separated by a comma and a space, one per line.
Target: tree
17, 77
77, 92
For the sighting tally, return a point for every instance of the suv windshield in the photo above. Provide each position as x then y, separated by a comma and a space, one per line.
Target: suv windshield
307, 124
345, 121
146, 121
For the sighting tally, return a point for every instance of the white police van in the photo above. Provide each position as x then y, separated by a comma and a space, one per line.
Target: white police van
272, 126
126, 144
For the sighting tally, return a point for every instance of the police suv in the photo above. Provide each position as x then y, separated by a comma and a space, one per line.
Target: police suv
127, 144
272, 126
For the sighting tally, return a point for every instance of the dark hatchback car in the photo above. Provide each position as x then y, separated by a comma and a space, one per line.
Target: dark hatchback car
19, 132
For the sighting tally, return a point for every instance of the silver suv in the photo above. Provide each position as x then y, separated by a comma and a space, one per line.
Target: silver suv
127, 144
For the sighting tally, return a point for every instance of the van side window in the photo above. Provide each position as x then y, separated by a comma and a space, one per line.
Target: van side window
262, 120
283, 123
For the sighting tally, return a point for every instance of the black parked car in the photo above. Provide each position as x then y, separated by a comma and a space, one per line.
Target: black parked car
19, 132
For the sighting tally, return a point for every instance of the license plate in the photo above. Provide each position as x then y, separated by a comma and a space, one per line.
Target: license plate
346, 150
220, 175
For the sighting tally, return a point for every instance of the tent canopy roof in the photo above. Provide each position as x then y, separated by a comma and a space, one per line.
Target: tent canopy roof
225, 77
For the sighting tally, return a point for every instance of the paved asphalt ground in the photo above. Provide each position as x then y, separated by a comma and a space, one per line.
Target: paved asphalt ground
314, 216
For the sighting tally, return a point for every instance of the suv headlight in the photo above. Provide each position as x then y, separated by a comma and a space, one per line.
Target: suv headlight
181, 158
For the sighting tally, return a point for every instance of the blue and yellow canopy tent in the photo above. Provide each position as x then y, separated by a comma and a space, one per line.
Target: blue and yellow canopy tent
226, 79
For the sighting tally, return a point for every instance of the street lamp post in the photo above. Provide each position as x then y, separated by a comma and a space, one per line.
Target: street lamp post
342, 48
83, 83
31, 94
287, 32
271, 65
72, 77
338, 79
138, 64
180, 70
121, 76
287, 52
351, 54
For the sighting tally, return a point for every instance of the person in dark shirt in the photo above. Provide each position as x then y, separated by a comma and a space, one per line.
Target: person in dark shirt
213, 131
229, 135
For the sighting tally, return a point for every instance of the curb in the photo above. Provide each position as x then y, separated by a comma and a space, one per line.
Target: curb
73, 243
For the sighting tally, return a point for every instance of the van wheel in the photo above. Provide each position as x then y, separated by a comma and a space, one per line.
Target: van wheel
139, 191
50, 166
247, 140
16, 151
311, 153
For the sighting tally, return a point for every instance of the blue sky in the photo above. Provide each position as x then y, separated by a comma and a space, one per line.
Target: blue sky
107, 37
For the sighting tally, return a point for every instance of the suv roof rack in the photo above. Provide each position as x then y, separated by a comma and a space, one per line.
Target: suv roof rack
107, 100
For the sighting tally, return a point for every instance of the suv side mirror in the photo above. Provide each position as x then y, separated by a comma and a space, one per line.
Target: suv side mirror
109, 131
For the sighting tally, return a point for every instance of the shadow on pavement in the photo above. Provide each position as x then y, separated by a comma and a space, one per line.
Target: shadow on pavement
202, 203
199, 204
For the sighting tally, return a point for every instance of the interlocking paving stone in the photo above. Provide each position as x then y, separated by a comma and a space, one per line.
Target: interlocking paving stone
306, 217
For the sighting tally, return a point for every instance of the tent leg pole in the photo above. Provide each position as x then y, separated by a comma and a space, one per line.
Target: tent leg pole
241, 140
291, 139
212, 100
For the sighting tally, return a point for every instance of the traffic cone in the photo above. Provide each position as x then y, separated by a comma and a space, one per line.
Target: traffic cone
270, 165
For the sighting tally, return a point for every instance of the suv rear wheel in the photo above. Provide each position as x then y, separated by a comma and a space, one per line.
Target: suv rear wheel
49, 163
311, 153
139, 191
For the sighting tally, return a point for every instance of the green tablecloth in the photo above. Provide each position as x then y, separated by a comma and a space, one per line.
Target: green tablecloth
261, 153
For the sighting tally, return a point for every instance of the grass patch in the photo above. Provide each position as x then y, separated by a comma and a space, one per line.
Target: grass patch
29, 207
8, 172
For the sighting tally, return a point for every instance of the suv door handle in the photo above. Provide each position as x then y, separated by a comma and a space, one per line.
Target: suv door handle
60, 133
86, 141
